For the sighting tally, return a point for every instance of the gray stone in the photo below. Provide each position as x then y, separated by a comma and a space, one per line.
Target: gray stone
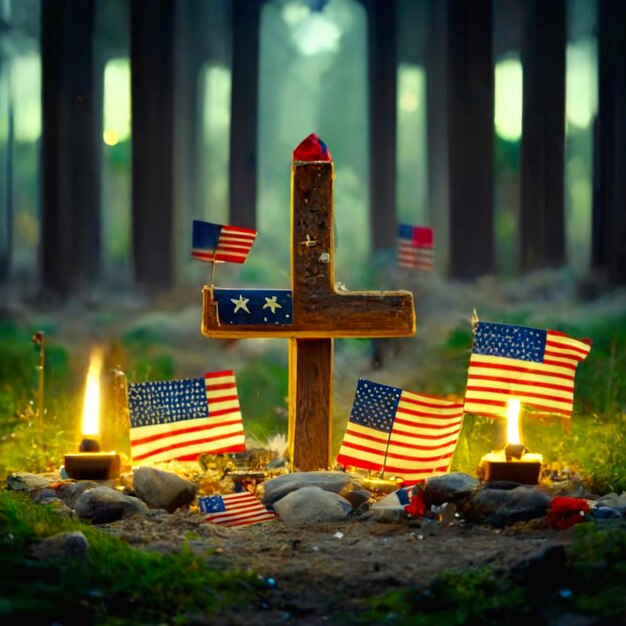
310, 504
58, 506
274, 489
22, 481
499, 507
64, 544
102, 505
456, 487
358, 498
44, 495
163, 490
71, 490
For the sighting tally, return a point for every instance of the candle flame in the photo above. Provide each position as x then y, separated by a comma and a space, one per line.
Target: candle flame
91, 405
512, 422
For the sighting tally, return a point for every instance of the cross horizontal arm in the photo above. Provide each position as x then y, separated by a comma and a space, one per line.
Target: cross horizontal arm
325, 315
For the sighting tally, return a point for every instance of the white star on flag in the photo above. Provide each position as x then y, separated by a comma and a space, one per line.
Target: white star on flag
240, 303
270, 303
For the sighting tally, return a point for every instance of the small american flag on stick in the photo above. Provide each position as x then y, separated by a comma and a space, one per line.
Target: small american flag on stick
535, 366
234, 509
215, 242
183, 419
407, 435
415, 247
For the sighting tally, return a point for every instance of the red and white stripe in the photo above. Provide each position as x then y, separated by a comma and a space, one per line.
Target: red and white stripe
414, 256
234, 243
422, 441
220, 432
547, 386
242, 509
224, 413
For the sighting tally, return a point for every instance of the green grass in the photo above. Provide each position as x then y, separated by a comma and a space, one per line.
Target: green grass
115, 584
593, 444
591, 583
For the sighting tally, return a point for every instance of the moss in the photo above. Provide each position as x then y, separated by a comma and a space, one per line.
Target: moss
114, 583
595, 568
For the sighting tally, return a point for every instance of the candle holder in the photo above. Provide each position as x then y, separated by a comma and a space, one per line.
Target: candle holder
91, 464
525, 472
514, 463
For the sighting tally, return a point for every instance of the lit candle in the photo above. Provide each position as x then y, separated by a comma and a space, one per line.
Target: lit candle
89, 463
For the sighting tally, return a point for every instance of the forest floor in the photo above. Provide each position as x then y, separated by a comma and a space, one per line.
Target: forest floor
325, 572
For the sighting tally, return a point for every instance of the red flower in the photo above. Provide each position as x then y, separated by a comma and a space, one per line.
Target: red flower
416, 507
565, 512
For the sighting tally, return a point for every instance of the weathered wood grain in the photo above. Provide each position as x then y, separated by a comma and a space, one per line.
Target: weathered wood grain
320, 313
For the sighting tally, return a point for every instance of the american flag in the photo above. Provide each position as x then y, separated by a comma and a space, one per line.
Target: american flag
536, 367
273, 307
234, 509
183, 419
214, 242
415, 247
407, 435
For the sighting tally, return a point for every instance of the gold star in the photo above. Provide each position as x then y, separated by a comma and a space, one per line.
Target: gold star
270, 303
240, 303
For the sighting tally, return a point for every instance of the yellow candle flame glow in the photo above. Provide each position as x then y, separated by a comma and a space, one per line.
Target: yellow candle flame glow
512, 422
91, 405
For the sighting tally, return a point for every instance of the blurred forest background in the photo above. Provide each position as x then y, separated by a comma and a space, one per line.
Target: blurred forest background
499, 123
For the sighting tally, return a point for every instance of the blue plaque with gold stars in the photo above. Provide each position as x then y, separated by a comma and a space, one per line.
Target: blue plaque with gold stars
254, 306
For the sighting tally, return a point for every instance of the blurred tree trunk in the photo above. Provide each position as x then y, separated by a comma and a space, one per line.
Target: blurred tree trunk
609, 215
436, 60
190, 51
70, 224
244, 112
6, 176
470, 89
382, 72
152, 27
542, 225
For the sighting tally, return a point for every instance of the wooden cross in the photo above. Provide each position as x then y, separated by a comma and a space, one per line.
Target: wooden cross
319, 312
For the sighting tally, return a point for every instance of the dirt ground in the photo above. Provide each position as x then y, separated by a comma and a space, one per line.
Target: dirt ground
323, 572
320, 573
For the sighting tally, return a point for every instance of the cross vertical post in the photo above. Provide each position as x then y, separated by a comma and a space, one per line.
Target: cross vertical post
318, 312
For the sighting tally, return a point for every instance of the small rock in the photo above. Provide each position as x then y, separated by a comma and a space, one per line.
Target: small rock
22, 481
276, 488
102, 505
358, 498
499, 507
163, 490
60, 545
312, 504
502, 484
456, 487
71, 490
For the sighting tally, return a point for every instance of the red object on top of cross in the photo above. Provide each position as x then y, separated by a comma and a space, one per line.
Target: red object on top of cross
312, 149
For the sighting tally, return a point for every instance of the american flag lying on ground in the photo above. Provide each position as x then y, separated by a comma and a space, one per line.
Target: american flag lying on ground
536, 367
234, 509
183, 419
407, 435
216, 242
